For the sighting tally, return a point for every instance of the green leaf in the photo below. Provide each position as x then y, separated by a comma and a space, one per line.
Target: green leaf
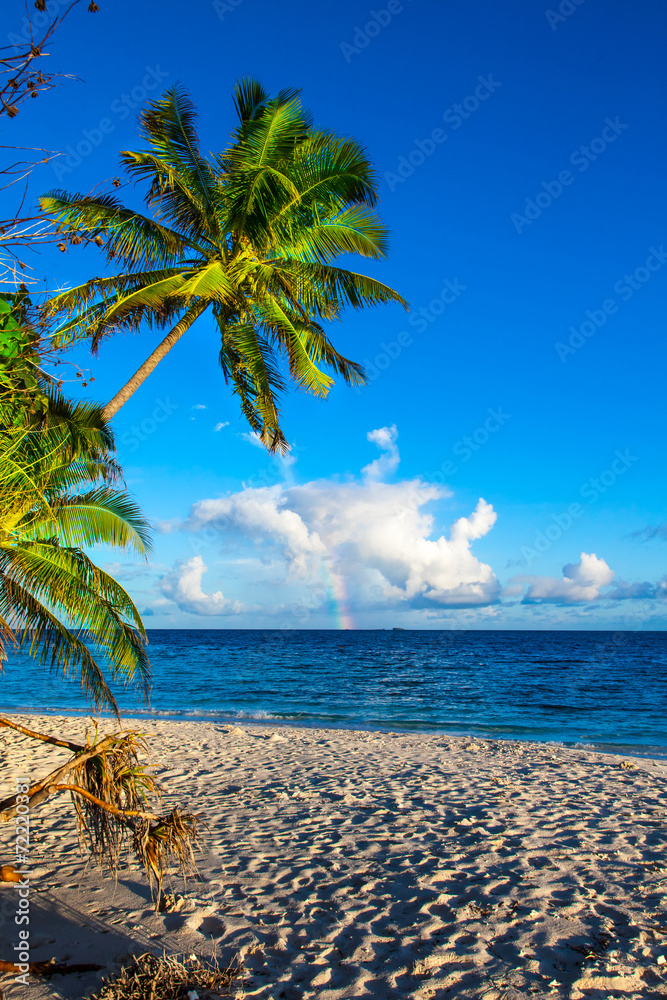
255, 231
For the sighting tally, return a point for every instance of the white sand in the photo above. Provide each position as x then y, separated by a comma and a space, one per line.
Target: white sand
349, 864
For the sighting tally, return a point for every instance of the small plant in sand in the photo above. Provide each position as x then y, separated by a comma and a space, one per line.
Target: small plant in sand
168, 977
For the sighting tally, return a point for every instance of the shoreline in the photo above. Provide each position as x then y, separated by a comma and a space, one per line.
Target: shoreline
656, 752
344, 863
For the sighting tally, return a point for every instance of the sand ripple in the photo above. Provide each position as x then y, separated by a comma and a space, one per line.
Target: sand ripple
350, 864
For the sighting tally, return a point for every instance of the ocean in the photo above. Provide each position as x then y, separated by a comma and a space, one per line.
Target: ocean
606, 690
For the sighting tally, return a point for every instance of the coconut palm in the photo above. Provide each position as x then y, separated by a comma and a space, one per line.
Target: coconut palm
56, 482
248, 235
57, 470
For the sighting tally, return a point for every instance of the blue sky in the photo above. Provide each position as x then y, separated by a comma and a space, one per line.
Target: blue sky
520, 149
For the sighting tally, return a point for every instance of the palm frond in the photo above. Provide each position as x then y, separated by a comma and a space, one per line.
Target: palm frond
289, 332
170, 125
139, 242
150, 295
211, 282
53, 599
249, 99
51, 643
254, 231
321, 283
66, 582
96, 517
331, 171
169, 194
355, 230
248, 362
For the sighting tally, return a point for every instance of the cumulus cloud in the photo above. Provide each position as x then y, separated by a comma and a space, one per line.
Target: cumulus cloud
183, 586
259, 513
581, 583
219, 426
373, 536
199, 406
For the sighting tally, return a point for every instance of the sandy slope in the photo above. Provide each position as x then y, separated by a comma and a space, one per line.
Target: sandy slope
352, 864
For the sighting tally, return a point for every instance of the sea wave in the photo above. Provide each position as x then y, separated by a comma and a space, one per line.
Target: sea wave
494, 685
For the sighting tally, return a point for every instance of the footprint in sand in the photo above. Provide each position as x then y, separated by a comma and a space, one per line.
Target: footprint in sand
211, 927
174, 922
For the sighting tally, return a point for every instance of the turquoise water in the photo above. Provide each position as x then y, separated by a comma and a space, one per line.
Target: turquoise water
602, 689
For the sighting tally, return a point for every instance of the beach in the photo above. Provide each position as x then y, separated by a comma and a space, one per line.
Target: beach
348, 863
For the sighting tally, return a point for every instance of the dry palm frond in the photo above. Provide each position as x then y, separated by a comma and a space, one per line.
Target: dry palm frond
115, 777
112, 792
168, 978
170, 837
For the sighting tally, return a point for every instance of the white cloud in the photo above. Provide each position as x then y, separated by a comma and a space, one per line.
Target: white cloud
584, 582
372, 536
167, 527
253, 438
219, 426
363, 545
581, 583
199, 406
183, 586
259, 512
385, 439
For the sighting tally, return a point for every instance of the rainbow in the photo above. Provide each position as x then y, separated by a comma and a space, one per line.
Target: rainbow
334, 585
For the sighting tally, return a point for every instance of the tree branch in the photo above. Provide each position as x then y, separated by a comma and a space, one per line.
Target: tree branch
41, 790
26, 80
74, 747
119, 813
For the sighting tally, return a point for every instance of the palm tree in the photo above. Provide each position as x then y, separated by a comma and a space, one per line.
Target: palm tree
248, 235
57, 469
56, 482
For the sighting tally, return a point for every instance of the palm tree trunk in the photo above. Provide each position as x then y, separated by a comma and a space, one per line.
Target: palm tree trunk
122, 396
